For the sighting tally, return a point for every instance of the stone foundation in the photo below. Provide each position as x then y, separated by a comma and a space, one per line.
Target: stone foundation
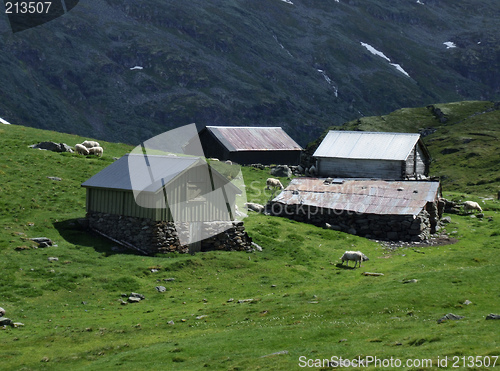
152, 237
381, 227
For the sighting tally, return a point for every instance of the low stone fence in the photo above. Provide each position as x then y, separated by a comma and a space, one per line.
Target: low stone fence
382, 227
151, 237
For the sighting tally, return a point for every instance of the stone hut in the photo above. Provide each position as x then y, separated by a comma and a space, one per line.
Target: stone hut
163, 203
361, 154
396, 210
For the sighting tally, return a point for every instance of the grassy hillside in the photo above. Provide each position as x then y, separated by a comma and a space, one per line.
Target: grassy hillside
303, 304
462, 137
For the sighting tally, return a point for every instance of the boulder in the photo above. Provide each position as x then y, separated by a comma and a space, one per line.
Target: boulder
493, 316
52, 146
4, 321
450, 316
281, 171
2, 312
161, 288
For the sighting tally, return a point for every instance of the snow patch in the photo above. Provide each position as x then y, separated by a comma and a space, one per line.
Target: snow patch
287, 1
136, 68
374, 51
4, 122
330, 82
450, 45
419, 2
399, 68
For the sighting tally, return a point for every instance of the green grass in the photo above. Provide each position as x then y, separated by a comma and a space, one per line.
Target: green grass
303, 302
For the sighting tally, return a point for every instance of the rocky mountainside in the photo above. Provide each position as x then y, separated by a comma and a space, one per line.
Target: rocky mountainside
125, 70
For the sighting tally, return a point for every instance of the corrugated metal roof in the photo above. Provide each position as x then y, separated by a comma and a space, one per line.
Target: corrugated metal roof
244, 138
367, 145
147, 177
361, 196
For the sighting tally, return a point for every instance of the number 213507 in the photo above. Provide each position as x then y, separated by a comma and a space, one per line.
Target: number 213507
24, 7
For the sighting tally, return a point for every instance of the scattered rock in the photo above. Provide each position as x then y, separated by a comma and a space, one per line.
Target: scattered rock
136, 295
43, 242
411, 281
276, 353
171, 322
467, 302
281, 171
133, 299
52, 146
493, 316
450, 316
202, 316
57, 179
4, 321
372, 274
161, 288
244, 301
446, 219
230, 300
2, 312
257, 247
169, 279
52, 259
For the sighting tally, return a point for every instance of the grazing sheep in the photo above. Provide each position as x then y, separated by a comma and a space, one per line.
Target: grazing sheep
90, 144
98, 151
356, 256
471, 206
81, 149
255, 207
272, 182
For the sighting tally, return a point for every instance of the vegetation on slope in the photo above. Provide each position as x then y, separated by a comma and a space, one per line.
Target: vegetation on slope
462, 137
303, 304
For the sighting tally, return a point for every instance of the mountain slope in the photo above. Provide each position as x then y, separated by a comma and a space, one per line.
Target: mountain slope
265, 62
462, 137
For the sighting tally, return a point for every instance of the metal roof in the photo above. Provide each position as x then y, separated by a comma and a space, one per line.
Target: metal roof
245, 138
361, 196
148, 176
367, 145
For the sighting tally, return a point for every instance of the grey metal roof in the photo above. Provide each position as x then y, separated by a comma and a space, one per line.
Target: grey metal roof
148, 177
367, 145
361, 196
245, 138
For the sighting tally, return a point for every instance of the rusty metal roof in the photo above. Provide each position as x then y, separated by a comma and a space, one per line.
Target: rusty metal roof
361, 196
245, 138
367, 145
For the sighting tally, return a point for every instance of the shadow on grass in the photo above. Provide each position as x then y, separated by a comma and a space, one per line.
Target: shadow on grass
342, 266
74, 233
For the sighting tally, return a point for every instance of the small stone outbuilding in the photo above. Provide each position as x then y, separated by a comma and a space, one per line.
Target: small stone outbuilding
385, 210
186, 197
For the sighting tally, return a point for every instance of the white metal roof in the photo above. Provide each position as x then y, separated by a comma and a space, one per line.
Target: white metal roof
367, 145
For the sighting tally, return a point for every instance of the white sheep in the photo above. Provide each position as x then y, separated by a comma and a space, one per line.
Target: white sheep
255, 207
356, 256
274, 183
90, 144
471, 206
98, 151
81, 149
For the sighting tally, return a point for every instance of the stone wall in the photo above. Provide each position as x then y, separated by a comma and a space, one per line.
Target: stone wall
151, 237
382, 227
